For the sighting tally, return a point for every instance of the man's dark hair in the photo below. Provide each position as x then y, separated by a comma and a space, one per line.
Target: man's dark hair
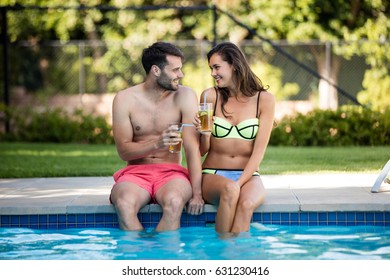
156, 54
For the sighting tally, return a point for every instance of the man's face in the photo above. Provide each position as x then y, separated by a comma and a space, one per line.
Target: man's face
171, 74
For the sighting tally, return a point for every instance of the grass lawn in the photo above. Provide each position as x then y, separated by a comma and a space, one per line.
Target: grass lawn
26, 160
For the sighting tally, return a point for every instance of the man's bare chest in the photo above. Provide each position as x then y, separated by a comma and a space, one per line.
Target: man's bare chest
153, 120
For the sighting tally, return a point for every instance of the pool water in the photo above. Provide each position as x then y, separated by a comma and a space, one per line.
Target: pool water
262, 242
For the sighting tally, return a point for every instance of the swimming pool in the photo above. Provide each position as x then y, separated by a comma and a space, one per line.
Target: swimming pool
262, 242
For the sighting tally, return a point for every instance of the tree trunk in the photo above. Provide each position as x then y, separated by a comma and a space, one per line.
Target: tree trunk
328, 67
93, 36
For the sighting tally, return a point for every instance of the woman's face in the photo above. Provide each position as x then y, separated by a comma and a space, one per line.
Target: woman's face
221, 71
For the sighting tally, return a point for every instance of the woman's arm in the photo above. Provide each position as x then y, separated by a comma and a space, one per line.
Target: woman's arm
266, 121
207, 95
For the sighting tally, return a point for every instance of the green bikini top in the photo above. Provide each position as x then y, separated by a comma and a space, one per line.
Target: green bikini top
246, 130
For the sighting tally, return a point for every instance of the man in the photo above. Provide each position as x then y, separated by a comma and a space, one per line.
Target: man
141, 118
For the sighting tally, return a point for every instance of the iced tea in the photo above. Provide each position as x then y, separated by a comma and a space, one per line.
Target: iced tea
206, 116
176, 148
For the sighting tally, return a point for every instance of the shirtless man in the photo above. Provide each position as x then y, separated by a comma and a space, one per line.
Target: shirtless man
141, 118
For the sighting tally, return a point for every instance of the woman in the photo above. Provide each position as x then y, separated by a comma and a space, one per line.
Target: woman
243, 120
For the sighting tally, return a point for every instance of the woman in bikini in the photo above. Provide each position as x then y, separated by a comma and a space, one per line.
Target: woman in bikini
243, 121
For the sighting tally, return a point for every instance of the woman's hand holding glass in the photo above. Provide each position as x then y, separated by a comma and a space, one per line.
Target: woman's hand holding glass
198, 125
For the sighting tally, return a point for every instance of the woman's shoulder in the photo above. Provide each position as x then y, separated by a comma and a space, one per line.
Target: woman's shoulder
209, 90
209, 94
267, 100
266, 96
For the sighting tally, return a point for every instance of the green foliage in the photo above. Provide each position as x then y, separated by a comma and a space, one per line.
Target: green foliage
274, 76
376, 85
348, 126
23, 160
55, 126
334, 21
364, 26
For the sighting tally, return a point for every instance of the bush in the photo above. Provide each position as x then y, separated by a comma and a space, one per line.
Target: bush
347, 126
55, 126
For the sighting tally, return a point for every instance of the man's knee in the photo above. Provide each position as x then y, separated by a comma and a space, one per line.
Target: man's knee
123, 204
128, 203
173, 205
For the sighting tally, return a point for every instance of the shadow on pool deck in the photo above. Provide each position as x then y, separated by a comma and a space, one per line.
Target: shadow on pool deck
285, 193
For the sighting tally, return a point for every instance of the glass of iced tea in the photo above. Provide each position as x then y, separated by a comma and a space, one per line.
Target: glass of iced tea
206, 116
177, 127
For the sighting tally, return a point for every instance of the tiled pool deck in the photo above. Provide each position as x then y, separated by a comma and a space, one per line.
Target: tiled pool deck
79, 202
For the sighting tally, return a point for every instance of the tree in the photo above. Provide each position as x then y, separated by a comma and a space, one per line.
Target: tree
356, 27
363, 24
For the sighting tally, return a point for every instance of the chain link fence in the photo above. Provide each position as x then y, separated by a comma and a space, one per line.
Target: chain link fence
77, 68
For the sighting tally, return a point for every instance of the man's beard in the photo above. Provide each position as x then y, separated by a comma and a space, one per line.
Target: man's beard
164, 82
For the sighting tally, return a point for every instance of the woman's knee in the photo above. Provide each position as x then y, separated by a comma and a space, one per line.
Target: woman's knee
248, 205
230, 193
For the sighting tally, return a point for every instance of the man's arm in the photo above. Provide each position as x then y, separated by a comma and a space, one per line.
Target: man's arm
189, 107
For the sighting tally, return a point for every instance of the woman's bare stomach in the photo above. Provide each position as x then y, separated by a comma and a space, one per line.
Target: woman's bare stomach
225, 161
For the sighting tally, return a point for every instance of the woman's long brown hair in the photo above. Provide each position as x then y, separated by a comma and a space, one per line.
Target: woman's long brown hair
243, 77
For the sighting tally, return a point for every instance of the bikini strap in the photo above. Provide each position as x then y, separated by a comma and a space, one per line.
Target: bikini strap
216, 100
257, 107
